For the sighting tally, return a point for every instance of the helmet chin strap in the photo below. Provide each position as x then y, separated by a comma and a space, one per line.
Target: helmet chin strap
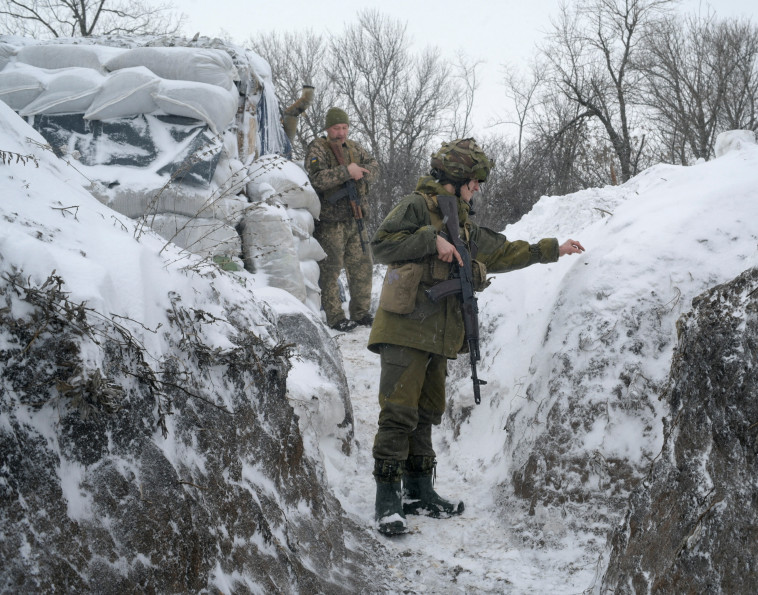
443, 179
470, 200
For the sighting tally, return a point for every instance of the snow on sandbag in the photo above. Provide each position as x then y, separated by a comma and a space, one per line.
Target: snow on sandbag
302, 223
213, 67
20, 85
227, 208
7, 52
733, 140
124, 93
135, 202
53, 56
67, 91
208, 103
268, 247
204, 237
231, 209
259, 192
230, 176
311, 274
230, 143
313, 300
290, 183
308, 249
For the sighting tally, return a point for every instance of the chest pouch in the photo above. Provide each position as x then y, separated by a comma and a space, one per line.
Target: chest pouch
399, 288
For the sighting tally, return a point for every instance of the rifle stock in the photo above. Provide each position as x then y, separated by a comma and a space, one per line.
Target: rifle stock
463, 285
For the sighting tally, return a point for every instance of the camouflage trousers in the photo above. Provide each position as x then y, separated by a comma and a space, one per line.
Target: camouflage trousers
411, 401
342, 245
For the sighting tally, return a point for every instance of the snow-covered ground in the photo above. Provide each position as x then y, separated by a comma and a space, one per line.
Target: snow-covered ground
473, 553
652, 245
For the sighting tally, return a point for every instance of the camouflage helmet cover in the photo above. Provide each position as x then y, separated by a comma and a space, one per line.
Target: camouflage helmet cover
462, 160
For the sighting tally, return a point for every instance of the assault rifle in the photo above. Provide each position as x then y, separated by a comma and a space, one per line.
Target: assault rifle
349, 191
463, 285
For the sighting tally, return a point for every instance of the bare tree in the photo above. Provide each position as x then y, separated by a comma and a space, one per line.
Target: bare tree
740, 101
524, 94
701, 78
401, 104
502, 198
554, 151
684, 86
518, 178
572, 151
591, 52
557, 154
298, 59
84, 18
467, 76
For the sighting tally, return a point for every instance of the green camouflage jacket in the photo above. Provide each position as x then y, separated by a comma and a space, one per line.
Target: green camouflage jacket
327, 176
409, 235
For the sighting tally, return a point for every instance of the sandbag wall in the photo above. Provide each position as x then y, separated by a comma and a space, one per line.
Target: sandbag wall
277, 232
171, 132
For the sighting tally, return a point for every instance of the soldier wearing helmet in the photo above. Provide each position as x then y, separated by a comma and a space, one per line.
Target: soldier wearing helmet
415, 336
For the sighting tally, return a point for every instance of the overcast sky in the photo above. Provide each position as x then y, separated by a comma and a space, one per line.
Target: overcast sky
502, 32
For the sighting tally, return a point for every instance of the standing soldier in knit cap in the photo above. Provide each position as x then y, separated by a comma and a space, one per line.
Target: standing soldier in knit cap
340, 170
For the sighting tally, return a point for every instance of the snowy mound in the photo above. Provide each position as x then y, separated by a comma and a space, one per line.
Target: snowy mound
146, 424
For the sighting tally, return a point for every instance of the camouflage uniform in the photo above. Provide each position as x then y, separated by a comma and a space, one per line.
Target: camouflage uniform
415, 346
415, 336
337, 231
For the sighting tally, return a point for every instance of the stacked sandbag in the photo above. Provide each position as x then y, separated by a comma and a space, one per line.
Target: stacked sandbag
210, 238
269, 248
54, 56
184, 136
19, 85
104, 82
276, 180
113, 106
202, 65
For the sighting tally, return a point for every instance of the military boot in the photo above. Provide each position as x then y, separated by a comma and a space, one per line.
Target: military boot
388, 510
419, 496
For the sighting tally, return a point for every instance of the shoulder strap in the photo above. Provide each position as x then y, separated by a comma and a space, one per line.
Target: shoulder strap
434, 211
350, 146
436, 216
336, 149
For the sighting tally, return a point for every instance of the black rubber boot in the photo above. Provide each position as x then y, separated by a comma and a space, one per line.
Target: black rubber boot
419, 496
388, 510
